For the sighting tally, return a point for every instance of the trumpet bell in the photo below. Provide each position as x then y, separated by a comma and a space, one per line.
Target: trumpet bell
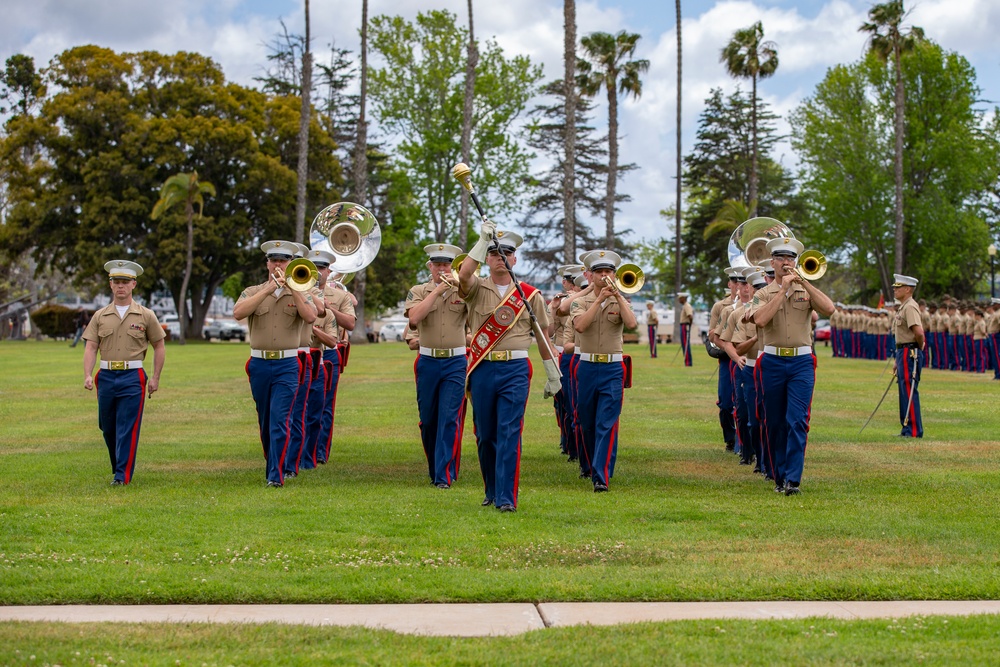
748, 244
629, 278
301, 274
812, 264
456, 264
349, 232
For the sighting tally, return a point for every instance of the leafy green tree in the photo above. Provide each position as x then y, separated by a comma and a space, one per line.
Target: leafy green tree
417, 96
606, 66
718, 169
21, 85
889, 41
843, 134
112, 129
747, 56
187, 190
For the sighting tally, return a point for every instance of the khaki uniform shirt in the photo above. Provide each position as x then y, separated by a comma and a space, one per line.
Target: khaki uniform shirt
687, 314
124, 338
724, 318
716, 314
907, 315
652, 319
339, 300
484, 297
276, 324
791, 325
925, 319
443, 327
979, 330
735, 330
993, 324
604, 335
563, 331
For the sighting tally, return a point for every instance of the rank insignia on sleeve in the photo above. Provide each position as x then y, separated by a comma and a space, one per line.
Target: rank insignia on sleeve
409, 295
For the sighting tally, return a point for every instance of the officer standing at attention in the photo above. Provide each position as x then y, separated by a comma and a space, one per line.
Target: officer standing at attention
121, 332
687, 319
783, 314
275, 314
499, 372
910, 346
438, 313
652, 324
599, 318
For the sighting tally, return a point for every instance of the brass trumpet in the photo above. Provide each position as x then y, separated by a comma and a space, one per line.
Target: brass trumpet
301, 274
629, 278
811, 265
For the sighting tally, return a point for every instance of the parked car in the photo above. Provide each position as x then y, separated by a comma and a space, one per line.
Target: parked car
393, 330
822, 331
223, 330
171, 325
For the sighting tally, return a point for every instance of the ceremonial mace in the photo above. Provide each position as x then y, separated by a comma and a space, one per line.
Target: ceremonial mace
463, 174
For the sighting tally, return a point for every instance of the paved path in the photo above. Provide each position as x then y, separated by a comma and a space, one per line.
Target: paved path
480, 620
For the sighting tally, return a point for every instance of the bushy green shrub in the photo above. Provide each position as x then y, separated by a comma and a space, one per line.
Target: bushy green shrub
54, 320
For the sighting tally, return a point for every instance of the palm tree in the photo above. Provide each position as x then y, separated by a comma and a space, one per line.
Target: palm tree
360, 175
569, 137
186, 189
607, 66
888, 40
302, 168
747, 56
729, 217
470, 87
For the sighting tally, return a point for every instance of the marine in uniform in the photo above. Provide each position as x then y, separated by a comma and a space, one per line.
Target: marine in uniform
121, 332
783, 314
724, 400
910, 346
652, 324
438, 313
599, 318
686, 320
500, 373
275, 315
562, 340
993, 337
738, 338
340, 303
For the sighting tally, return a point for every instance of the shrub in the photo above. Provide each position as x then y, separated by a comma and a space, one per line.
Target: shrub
54, 320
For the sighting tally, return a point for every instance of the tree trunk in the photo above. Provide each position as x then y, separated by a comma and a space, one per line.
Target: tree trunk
609, 204
182, 315
900, 109
569, 138
470, 88
302, 171
677, 213
753, 153
361, 174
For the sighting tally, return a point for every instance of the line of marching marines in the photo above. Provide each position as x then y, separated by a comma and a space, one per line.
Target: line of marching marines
472, 334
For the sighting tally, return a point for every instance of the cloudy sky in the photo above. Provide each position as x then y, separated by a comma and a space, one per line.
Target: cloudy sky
811, 35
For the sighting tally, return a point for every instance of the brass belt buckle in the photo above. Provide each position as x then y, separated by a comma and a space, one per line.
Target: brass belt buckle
786, 351
500, 355
441, 354
116, 365
272, 354
601, 358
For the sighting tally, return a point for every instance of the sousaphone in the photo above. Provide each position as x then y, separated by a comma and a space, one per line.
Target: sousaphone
350, 233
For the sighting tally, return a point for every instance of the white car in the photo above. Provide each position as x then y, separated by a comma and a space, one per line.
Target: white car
393, 330
171, 325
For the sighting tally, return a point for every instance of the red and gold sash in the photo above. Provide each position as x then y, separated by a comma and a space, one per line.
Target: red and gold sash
496, 326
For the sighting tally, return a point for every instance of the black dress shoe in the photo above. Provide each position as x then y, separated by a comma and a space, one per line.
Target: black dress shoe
572, 459
443, 485
507, 508
117, 482
487, 502
792, 489
584, 475
600, 488
276, 485
290, 475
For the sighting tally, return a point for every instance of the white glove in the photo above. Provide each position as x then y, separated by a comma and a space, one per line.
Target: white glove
553, 383
486, 232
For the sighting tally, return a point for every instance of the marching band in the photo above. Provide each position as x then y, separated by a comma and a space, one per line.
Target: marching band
472, 334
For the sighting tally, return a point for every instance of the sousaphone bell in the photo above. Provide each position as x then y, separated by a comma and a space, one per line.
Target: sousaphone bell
350, 233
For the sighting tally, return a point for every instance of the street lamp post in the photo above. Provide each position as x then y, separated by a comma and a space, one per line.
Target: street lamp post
992, 250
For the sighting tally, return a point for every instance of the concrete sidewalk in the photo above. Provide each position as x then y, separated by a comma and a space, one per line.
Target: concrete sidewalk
481, 620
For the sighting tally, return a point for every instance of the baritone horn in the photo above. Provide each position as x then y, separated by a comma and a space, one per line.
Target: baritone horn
301, 274
811, 265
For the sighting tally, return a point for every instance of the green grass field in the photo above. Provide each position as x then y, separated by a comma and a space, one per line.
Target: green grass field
879, 517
